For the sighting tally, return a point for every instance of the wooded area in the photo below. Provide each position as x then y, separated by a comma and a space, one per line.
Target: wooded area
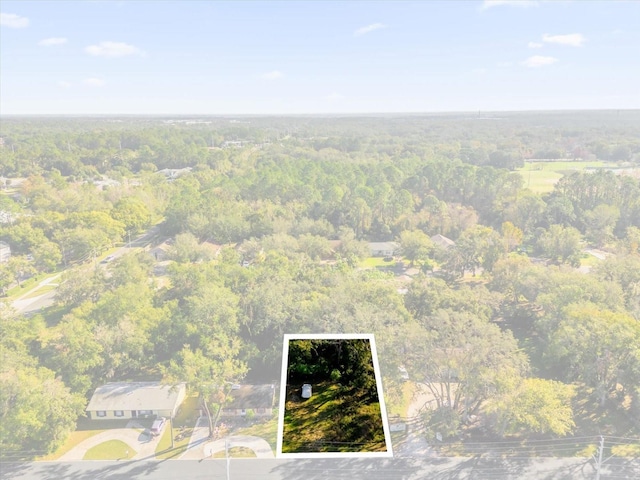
343, 413
269, 220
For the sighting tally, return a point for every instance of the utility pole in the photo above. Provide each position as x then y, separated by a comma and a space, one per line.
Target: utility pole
226, 453
171, 427
599, 461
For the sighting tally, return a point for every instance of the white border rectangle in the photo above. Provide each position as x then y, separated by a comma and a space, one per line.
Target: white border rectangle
283, 395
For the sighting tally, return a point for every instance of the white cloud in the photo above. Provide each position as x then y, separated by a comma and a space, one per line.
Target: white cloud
12, 20
572, 39
274, 75
539, 61
368, 29
332, 97
534, 45
94, 82
486, 4
112, 49
50, 42
63, 84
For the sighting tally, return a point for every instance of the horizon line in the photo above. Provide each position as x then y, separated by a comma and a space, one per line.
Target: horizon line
319, 114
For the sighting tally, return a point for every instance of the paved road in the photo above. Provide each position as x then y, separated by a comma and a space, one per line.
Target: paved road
314, 469
26, 306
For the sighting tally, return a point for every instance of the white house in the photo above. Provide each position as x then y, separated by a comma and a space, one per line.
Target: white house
383, 249
120, 400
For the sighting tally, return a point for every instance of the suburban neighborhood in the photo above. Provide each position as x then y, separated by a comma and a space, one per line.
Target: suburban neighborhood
316, 240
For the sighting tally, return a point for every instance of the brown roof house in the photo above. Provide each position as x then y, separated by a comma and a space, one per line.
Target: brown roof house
257, 398
120, 400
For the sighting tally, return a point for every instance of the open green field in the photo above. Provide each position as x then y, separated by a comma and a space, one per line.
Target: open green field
332, 420
540, 177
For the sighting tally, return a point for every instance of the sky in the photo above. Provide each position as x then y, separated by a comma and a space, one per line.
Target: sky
299, 57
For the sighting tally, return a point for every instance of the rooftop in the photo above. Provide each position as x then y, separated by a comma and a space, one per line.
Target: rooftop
135, 396
252, 396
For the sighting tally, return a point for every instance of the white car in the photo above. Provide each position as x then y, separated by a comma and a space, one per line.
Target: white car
306, 390
156, 428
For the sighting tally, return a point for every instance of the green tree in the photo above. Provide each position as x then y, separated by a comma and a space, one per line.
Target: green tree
416, 245
600, 223
207, 375
561, 244
38, 411
463, 360
20, 268
599, 347
511, 235
47, 256
133, 213
534, 406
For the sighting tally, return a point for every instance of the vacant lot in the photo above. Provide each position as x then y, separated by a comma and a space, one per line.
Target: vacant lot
540, 177
332, 420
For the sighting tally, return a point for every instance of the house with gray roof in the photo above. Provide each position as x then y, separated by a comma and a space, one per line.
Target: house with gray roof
258, 398
127, 400
442, 241
383, 249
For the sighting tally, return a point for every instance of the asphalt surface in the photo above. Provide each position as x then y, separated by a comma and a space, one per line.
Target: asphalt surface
311, 469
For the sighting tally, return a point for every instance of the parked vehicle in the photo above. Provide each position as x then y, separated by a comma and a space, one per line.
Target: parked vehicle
158, 425
108, 258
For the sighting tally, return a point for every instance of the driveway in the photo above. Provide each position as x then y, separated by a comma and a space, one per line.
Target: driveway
415, 444
144, 446
201, 447
199, 437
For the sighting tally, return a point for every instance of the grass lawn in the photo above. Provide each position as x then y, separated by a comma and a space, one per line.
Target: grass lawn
588, 260
75, 439
373, 262
85, 429
541, 177
400, 406
331, 421
236, 452
110, 450
188, 412
40, 291
28, 284
186, 417
267, 430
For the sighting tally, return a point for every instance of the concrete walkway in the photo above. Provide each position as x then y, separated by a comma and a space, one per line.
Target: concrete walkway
201, 447
199, 436
260, 446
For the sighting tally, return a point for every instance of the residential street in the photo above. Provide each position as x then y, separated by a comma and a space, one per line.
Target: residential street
476, 468
26, 303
